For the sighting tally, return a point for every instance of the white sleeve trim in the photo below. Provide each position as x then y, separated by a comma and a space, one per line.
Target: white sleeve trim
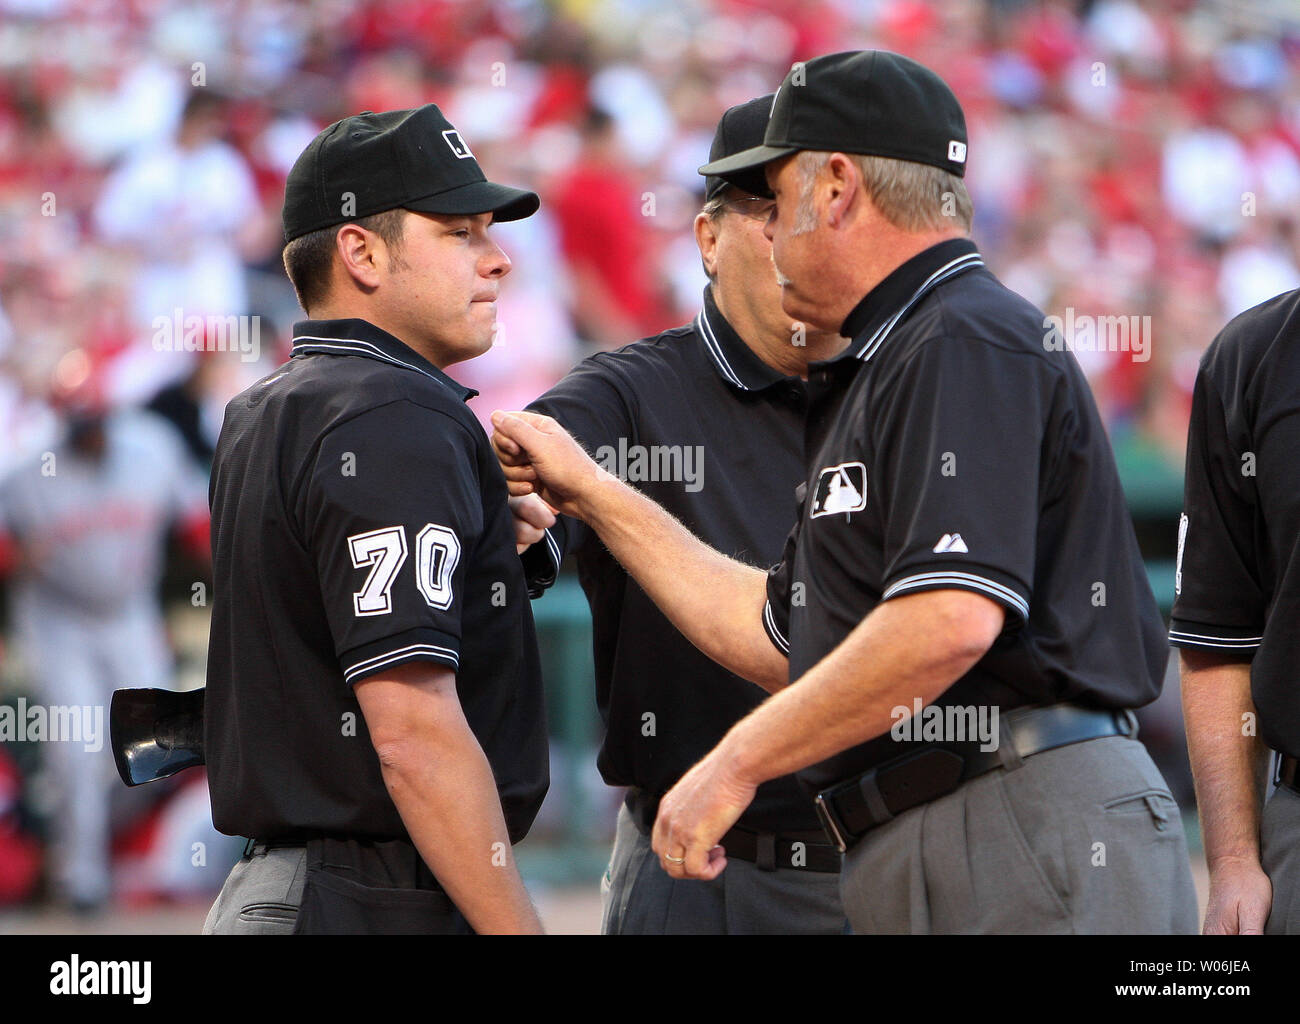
1240, 643
963, 581
554, 549
774, 634
409, 653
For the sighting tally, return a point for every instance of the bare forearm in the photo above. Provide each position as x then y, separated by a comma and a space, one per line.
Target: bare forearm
909, 647
448, 801
892, 657
1228, 760
714, 601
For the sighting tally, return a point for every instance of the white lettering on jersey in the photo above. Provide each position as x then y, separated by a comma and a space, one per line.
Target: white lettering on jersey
385, 552
437, 550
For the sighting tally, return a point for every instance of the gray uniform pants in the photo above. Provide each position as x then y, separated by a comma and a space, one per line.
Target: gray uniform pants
1280, 854
334, 886
79, 659
261, 895
1081, 839
639, 898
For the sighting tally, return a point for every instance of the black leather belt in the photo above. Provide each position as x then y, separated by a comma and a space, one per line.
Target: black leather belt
383, 863
854, 807
798, 850
1287, 770
768, 851
260, 846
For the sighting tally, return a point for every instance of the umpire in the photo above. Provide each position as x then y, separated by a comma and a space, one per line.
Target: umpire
964, 611
374, 708
713, 411
1235, 615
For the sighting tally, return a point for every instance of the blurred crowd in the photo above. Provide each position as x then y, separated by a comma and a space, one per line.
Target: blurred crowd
1135, 159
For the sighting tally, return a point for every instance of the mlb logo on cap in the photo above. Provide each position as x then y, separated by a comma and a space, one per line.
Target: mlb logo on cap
457, 144
390, 161
871, 102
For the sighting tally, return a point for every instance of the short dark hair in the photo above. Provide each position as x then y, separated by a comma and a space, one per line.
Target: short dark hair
308, 258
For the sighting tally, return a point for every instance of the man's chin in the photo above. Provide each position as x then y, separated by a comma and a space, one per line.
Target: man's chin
804, 312
473, 351
793, 306
468, 346
483, 331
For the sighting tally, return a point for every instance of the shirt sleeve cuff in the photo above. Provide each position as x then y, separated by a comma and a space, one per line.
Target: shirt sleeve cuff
773, 630
1228, 640
541, 564
996, 586
413, 645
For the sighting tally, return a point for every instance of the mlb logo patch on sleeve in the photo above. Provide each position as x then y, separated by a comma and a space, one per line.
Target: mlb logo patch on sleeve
840, 489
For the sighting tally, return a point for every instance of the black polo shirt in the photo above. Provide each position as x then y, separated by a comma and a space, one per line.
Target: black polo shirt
949, 449
359, 522
1238, 576
696, 388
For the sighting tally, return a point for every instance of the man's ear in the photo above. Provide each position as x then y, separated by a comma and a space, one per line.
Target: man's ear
357, 251
706, 237
842, 179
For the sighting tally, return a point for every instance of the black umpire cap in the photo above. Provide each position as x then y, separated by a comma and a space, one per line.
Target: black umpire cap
862, 101
407, 159
741, 128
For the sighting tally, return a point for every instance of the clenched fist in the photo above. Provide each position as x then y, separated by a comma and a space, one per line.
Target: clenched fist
539, 457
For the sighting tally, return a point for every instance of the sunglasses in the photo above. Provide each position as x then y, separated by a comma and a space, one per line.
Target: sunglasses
752, 206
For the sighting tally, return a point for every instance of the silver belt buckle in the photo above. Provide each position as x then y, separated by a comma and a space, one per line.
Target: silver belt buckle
829, 825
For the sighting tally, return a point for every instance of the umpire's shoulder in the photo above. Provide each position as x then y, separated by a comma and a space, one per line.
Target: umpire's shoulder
979, 306
636, 363
977, 313
638, 368
335, 390
1264, 337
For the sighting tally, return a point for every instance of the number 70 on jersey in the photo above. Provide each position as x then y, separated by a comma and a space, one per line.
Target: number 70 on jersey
437, 551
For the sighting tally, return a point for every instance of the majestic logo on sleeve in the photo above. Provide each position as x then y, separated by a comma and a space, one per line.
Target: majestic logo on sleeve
840, 489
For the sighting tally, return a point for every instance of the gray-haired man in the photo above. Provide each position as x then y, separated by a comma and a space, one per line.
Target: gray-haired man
962, 542
707, 419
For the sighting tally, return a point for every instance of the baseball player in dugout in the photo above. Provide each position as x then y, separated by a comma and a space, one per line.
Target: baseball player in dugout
1235, 616
724, 396
374, 716
960, 622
